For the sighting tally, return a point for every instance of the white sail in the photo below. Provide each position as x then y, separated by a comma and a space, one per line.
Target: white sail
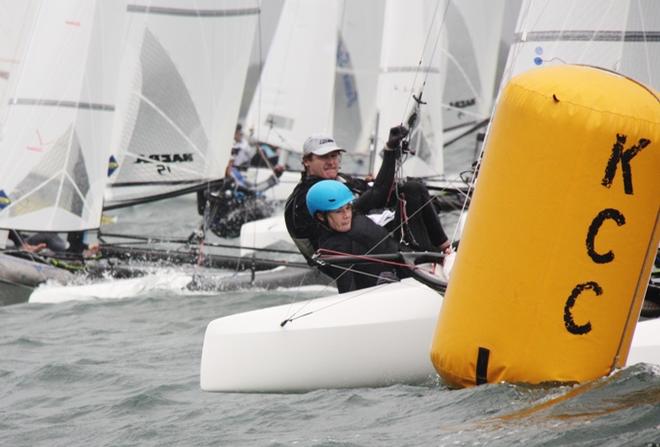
618, 35
294, 97
183, 72
414, 56
61, 100
474, 28
357, 69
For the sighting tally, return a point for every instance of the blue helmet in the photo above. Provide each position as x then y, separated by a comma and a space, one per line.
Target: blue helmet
327, 195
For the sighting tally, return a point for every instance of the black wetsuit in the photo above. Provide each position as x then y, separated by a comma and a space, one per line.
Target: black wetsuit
364, 238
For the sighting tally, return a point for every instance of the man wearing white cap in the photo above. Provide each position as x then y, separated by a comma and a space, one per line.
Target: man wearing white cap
322, 159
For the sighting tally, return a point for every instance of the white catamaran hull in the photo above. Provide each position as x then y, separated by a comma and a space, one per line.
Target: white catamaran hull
373, 337
264, 233
366, 338
645, 346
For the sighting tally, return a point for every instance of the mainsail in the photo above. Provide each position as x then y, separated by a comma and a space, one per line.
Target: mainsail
61, 101
184, 67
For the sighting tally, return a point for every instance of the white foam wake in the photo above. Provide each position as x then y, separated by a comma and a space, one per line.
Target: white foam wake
168, 282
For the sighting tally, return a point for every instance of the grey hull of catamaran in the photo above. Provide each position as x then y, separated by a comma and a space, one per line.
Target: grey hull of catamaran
219, 274
278, 277
19, 277
11, 293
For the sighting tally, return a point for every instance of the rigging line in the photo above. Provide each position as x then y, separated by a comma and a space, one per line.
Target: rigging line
370, 259
471, 185
388, 281
435, 45
419, 64
296, 316
360, 272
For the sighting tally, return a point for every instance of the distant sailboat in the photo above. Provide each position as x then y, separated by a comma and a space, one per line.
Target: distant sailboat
357, 68
294, 96
183, 71
58, 124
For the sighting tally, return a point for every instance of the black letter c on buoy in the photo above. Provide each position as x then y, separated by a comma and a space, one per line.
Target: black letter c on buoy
608, 213
568, 317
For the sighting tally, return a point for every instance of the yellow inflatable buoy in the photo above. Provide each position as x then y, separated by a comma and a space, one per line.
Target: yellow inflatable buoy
561, 234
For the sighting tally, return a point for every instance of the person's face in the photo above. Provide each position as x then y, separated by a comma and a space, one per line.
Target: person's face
340, 220
238, 135
324, 166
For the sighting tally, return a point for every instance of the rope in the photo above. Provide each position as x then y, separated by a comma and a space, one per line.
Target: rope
365, 258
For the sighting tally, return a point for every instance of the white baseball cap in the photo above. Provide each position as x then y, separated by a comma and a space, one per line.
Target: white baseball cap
320, 145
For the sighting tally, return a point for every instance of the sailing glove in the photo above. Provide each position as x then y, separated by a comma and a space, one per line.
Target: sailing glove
397, 134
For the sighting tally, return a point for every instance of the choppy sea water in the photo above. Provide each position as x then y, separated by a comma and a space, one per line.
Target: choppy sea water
118, 365
126, 372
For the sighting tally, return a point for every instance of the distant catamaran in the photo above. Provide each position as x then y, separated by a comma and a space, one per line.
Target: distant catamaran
181, 81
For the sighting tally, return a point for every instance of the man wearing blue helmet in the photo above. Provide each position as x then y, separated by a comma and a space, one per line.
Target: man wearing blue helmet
321, 160
343, 228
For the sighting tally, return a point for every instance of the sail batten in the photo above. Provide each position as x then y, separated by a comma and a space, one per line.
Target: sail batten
61, 103
148, 9
586, 35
